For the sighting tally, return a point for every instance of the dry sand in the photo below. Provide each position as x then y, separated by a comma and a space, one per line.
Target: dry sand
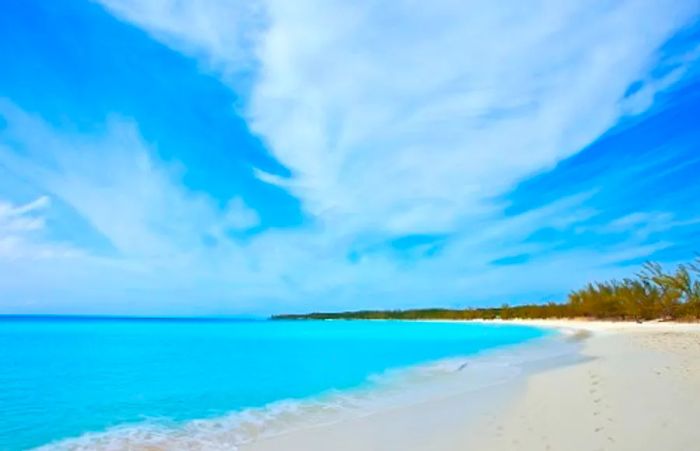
638, 389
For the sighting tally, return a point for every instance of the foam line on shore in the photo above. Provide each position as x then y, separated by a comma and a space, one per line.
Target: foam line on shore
391, 390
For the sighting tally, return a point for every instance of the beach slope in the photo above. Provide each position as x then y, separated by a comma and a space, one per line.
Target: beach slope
638, 388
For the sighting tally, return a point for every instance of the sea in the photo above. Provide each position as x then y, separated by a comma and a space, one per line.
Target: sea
73, 383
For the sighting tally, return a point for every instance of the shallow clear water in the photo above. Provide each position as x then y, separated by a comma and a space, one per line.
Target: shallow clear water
63, 377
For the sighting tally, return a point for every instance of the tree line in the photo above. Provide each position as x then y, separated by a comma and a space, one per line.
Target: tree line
652, 294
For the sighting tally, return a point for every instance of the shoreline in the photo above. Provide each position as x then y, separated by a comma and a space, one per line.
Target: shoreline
474, 376
637, 387
591, 383
464, 404
491, 360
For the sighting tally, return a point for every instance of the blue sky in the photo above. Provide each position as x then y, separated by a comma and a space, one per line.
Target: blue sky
213, 157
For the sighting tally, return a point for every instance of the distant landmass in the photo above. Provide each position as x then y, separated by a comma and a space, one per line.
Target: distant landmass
653, 294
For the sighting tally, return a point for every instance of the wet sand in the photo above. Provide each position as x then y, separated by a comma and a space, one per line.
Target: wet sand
637, 388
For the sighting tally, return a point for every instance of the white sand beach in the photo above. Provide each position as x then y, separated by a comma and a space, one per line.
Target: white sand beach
637, 389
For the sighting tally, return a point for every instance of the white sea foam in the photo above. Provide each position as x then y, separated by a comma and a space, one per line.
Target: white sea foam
391, 389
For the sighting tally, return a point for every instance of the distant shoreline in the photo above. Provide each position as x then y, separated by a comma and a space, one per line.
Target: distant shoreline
458, 316
653, 294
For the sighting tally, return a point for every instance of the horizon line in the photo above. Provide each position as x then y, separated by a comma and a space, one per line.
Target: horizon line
107, 317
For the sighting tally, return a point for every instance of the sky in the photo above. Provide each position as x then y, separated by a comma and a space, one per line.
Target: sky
219, 157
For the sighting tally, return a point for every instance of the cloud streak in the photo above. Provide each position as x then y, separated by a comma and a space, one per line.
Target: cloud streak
414, 128
404, 133
21, 228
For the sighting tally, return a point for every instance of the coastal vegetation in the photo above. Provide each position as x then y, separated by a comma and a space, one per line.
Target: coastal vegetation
653, 294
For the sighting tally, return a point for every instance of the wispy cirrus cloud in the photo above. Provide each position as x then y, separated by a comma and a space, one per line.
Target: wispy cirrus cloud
414, 127
172, 244
116, 182
222, 34
21, 228
404, 133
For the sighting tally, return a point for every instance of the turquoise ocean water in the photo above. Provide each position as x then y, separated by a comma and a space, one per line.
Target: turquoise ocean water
64, 377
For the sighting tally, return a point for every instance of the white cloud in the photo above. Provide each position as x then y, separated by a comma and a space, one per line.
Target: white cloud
169, 243
18, 218
410, 122
409, 118
21, 228
156, 226
238, 216
115, 183
221, 33
395, 118
644, 224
